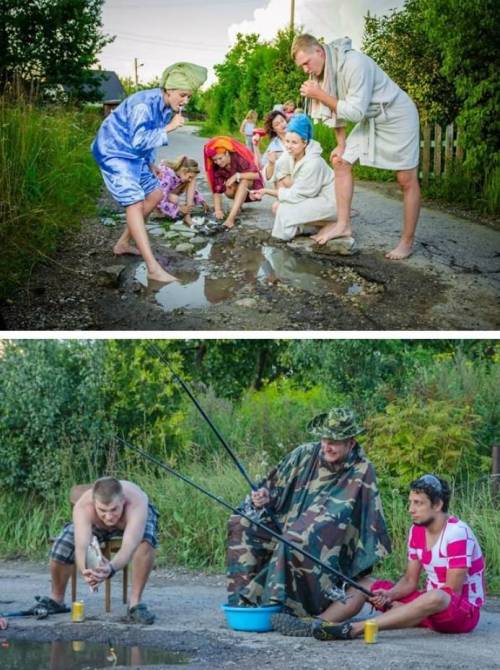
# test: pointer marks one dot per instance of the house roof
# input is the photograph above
(110, 86)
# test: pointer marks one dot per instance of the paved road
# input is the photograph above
(189, 619)
(459, 252)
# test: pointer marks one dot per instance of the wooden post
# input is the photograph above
(460, 152)
(438, 141)
(448, 148)
(426, 154)
(495, 469)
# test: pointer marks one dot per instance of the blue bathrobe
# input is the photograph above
(125, 145)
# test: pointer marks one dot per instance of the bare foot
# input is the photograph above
(125, 249)
(331, 231)
(188, 220)
(158, 274)
(403, 250)
(3, 624)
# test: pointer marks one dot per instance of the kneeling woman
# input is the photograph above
(231, 170)
(306, 193)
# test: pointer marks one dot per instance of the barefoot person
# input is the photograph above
(305, 189)
(349, 86)
(109, 508)
(177, 180)
(124, 149)
(324, 495)
(446, 549)
(231, 170)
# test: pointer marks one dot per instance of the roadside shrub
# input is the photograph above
(412, 437)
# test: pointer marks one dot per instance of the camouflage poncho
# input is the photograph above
(335, 514)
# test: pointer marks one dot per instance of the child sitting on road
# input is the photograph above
(178, 178)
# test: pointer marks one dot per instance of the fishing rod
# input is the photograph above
(159, 354)
(339, 593)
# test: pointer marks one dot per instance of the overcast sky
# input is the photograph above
(160, 32)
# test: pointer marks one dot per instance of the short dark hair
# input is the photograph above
(268, 121)
(434, 488)
(106, 489)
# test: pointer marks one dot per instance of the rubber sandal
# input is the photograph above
(140, 614)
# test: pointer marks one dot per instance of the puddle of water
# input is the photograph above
(264, 264)
(80, 655)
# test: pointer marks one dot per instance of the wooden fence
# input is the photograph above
(438, 151)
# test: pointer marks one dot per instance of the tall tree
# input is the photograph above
(400, 44)
(51, 42)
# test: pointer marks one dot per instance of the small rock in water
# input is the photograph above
(110, 275)
(185, 247)
(178, 225)
(108, 221)
(170, 235)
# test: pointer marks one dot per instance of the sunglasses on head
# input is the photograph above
(429, 480)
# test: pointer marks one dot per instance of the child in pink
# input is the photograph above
(176, 179)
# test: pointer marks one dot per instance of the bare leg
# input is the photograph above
(344, 185)
(190, 201)
(136, 227)
(408, 181)
(339, 612)
(409, 614)
(59, 574)
(239, 195)
(142, 564)
(123, 245)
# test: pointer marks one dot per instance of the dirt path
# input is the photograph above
(189, 620)
(243, 280)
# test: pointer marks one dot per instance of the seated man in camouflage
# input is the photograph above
(109, 508)
(324, 497)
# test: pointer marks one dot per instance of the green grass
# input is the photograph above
(48, 181)
(194, 528)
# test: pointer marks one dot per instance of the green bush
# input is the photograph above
(412, 437)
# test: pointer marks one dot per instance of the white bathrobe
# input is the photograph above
(387, 134)
(311, 196)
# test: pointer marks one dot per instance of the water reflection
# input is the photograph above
(215, 280)
(81, 655)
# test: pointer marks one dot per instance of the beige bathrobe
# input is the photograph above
(311, 196)
(387, 134)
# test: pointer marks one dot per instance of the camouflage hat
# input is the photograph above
(338, 424)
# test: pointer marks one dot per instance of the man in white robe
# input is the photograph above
(349, 86)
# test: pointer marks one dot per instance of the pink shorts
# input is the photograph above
(459, 617)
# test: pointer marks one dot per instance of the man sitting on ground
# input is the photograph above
(324, 497)
(447, 550)
(110, 508)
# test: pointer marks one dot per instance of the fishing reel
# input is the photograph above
(337, 593)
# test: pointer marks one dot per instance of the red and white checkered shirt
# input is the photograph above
(456, 547)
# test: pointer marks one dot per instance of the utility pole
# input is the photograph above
(292, 16)
(137, 65)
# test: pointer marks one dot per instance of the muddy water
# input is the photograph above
(80, 655)
(219, 276)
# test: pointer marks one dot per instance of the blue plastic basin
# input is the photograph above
(254, 619)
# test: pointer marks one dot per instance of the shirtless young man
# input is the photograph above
(110, 508)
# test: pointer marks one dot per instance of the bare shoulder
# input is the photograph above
(134, 495)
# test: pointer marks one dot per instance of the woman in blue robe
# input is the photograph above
(124, 149)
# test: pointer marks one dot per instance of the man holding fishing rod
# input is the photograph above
(324, 496)
(108, 508)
